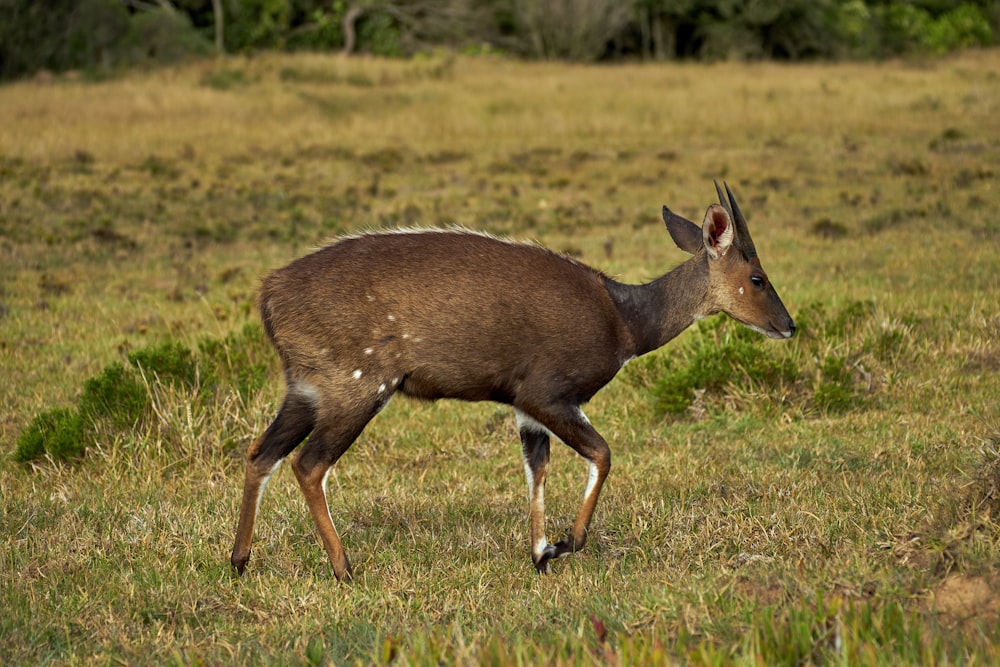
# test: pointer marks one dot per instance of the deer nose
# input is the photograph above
(791, 330)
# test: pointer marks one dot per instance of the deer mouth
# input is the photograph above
(782, 334)
(772, 331)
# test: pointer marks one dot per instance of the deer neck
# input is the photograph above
(658, 311)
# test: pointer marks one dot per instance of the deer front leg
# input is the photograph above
(572, 427)
(535, 450)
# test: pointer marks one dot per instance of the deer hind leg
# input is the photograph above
(570, 425)
(535, 450)
(294, 422)
(334, 434)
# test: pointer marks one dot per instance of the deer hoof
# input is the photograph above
(543, 564)
(239, 563)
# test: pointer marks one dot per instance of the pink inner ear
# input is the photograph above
(719, 222)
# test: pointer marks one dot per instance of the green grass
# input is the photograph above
(830, 499)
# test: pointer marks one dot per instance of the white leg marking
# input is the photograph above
(539, 547)
(530, 476)
(263, 482)
(591, 481)
(527, 422)
(325, 501)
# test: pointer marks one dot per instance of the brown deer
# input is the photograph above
(458, 314)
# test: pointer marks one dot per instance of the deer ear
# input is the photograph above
(685, 233)
(717, 231)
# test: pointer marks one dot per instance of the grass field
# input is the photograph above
(844, 509)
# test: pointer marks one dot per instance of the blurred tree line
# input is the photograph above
(105, 35)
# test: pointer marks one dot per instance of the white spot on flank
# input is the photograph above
(392, 318)
(381, 388)
(369, 297)
(356, 374)
(741, 290)
(368, 350)
(406, 336)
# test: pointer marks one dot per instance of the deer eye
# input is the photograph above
(757, 281)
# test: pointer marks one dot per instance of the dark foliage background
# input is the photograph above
(102, 36)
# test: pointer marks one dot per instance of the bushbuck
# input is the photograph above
(458, 314)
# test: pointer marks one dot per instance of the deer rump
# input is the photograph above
(444, 314)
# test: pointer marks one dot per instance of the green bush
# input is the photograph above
(907, 28)
(58, 432)
(724, 356)
(241, 360)
(163, 36)
(903, 27)
(167, 362)
(116, 397)
(256, 24)
(835, 392)
(721, 352)
(960, 28)
(379, 34)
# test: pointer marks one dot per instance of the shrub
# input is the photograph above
(835, 392)
(58, 432)
(163, 36)
(167, 362)
(242, 359)
(959, 28)
(726, 357)
(721, 353)
(117, 397)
